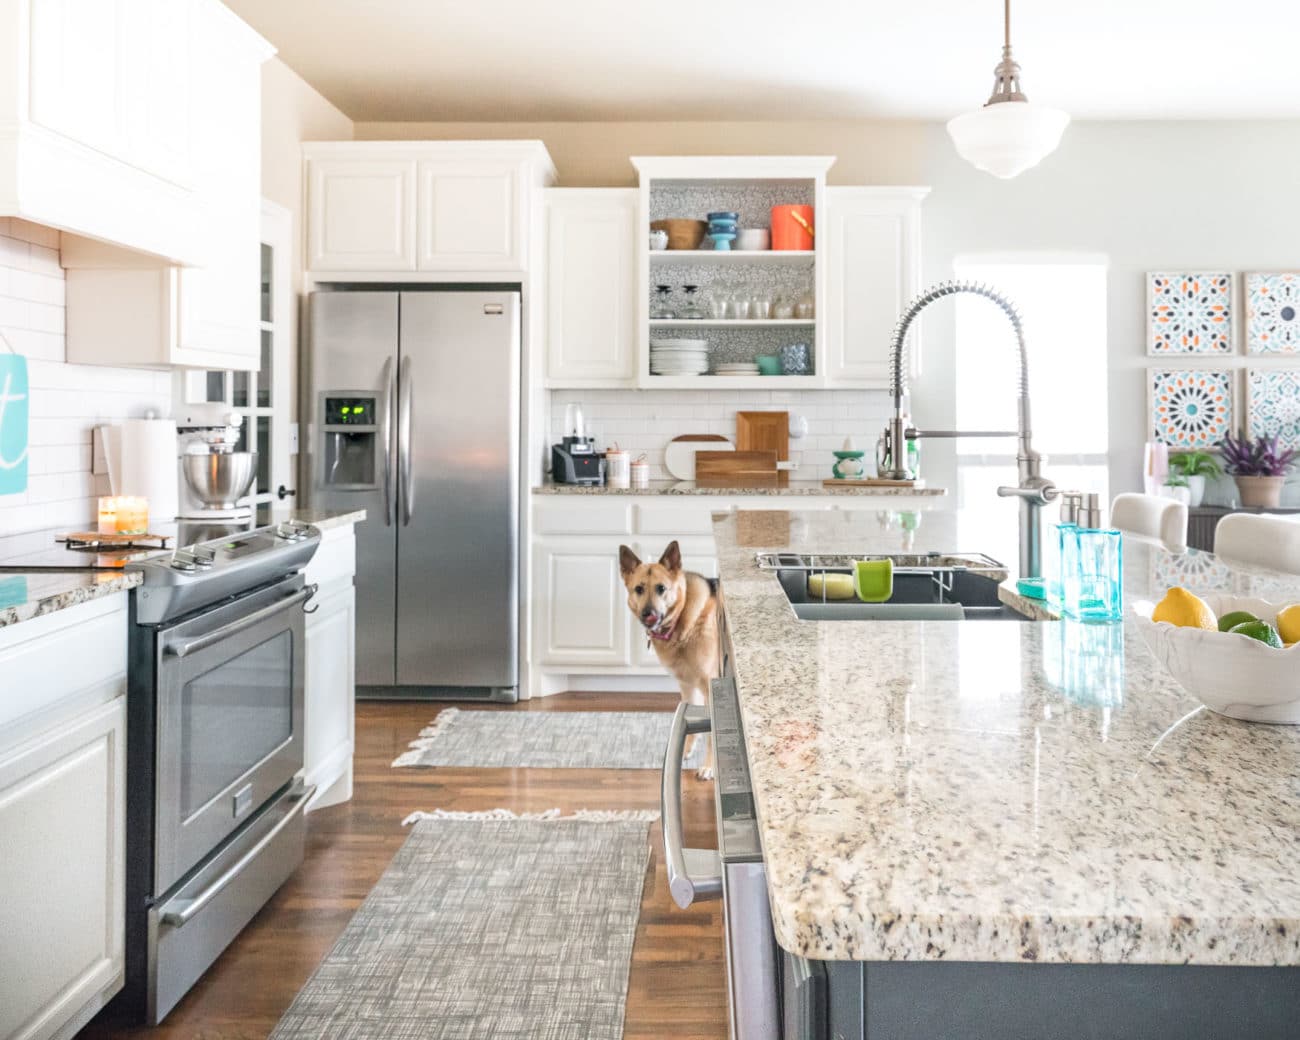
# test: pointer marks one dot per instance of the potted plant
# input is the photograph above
(1195, 467)
(1259, 466)
(1176, 487)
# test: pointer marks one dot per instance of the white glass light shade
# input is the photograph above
(1007, 138)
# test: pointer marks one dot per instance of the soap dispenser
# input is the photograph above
(1067, 546)
(1093, 583)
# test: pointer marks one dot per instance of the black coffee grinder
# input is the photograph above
(575, 459)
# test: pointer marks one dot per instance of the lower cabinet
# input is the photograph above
(584, 616)
(331, 670)
(63, 824)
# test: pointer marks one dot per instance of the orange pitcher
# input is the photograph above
(792, 227)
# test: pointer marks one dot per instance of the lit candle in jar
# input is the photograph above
(132, 515)
(107, 515)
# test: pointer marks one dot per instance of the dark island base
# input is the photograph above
(837, 1000)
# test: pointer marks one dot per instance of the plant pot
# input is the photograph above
(1262, 492)
(1195, 490)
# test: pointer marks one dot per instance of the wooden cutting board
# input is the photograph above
(710, 465)
(764, 431)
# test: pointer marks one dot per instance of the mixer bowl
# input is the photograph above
(220, 479)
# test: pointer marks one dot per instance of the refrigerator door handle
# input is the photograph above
(404, 441)
(387, 378)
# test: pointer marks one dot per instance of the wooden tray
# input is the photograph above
(95, 538)
(832, 482)
(710, 465)
(764, 431)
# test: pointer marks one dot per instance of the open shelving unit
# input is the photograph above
(694, 186)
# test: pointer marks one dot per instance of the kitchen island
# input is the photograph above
(1008, 822)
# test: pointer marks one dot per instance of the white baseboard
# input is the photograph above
(550, 684)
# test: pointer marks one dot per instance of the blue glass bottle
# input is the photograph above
(1066, 546)
(1094, 581)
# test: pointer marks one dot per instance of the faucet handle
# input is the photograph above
(1037, 494)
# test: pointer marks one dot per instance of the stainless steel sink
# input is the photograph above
(927, 587)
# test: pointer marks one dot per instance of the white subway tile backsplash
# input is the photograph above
(644, 421)
(67, 401)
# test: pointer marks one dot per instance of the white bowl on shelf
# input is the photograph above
(1227, 672)
(679, 344)
(752, 240)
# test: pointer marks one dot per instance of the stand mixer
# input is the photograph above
(214, 476)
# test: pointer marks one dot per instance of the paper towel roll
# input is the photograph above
(148, 466)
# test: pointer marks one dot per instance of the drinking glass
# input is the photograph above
(760, 306)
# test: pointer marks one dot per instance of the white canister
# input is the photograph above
(640, 473)
(618, 468)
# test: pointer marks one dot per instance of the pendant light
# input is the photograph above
(1008, 135)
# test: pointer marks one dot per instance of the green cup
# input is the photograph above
(768, 364)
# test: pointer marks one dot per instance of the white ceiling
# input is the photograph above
(604, 60)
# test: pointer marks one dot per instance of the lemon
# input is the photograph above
(1236, 617)
(1288, 623)
(1260, 630)
(1182, 608)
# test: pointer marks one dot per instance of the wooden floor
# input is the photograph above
(677, 986)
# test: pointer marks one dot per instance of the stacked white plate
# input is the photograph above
(679, 357)
(736, 368)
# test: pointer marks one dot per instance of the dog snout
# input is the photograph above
(649, 616)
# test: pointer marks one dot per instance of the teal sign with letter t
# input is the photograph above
(13, 424)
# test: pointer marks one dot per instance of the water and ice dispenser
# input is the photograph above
(352, 449)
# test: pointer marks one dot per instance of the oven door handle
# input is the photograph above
(694, 875)
(193, 646)
(191, 908)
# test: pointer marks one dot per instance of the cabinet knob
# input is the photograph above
(283, 492)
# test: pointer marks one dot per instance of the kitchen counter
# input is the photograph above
(775, 488)
(1004, 792)
(29, 595)
(325, 519)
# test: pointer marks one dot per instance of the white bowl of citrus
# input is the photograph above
(1235, 654)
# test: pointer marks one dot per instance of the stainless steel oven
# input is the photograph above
(229, 695)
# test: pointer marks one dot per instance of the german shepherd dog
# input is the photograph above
(679, 611)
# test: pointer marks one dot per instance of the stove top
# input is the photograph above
(50, 551)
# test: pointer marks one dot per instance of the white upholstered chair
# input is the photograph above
(1269, 541)
(1152, 516)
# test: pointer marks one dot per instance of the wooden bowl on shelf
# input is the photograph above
(682, 233)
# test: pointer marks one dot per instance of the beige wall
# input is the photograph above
(293, 112)
(1149, 196)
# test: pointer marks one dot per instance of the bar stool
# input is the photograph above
(1267, 541)
(1151, 516)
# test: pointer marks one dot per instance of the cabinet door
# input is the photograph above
(699, 555)
(330, 687)
(581, 606)
(361, 214)
(469, 215)
(591, 285)
(873, 250)
(63, 828)
(156, 87)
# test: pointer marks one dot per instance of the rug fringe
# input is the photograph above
(426, 738)
(586, 815)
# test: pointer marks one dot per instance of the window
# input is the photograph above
(1062, 301)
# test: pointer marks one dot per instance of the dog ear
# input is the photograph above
(628, 561)
(672, 558)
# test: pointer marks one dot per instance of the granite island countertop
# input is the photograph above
(772, 488)
(1002, 791)
(25, 594)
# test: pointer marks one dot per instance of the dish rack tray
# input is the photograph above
(904, 563)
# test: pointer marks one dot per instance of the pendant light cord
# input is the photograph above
(1006, 23)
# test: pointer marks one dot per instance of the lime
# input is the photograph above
(1232, 620)
(1260, 630)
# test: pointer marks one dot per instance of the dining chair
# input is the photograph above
(1152, 516)
(1258, 538)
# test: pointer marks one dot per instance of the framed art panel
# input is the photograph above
(1273, 312)
(1273, 404)
(1191, 407)
(1190, 314)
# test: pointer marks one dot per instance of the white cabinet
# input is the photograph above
(873, 252)
(62, 818)
(591, 299)
(330, 669)
(440, 209)
(124, 308)
(582, 615)
(362, 215)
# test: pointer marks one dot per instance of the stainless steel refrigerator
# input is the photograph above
(411, 401)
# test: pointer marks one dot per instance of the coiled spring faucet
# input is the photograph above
(1034, 490)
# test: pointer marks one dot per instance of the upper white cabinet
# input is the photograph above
(591, 278)
(362, 213)
(873, 253)
(104, 139)
(440, 208)
(125, 308)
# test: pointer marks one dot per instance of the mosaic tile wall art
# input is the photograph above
(1189, 313)
(1191, 408)
(1273, 312)
(1273, 404)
